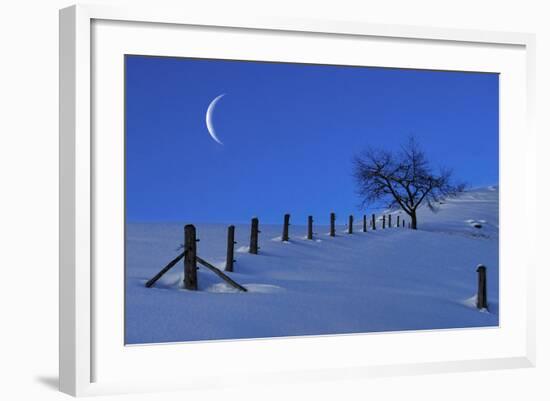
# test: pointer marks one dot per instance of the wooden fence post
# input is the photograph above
(190, 258)
(350, 225)
(383, 221)
(373, 222)
(389, 220)
(403, 223)
(254, 231)
(285, 227)
(364, 223)
(332, 224)
(409, 224)
(481, 287)
(398, 225)
(230, 259)
(309, 227)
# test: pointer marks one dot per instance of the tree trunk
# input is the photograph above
(413, 220)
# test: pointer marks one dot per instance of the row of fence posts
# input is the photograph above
(255, 231)
(190, 246)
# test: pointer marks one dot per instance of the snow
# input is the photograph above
(262, 288)
(385, 280)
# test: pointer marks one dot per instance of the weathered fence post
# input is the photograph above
(398, 225)
(332, 224)
(350, 225)
(309, 227)
(373, 222)
(364, 223)
(383, 221)
(389, 220)
(254, 231)
(230, 259)
(481, 287)
(190, 258)
(403, 223)
(409, 224)
(285, 227)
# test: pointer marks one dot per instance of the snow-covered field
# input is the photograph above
(383, 280)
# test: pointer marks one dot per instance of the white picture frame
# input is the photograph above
(79, 314)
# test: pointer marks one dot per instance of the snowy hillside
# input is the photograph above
(384, 280)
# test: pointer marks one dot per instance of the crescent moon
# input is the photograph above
(209, 123)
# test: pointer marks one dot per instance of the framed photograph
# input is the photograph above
(306, 198)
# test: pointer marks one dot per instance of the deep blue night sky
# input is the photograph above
(289, 133)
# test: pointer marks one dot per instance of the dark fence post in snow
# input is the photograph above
(254, 231)
(332, 223)
(190, 258)
(285, 227)
(364, 223)
(403, 223)
(350, 225)
(481, 287)
(309, 227)
(373, 222)
(398, 225)
(383, 221)
(389, 220)
(230, 259)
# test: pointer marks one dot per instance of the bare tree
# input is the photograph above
(404, 179)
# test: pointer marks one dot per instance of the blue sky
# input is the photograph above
(289, 133)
